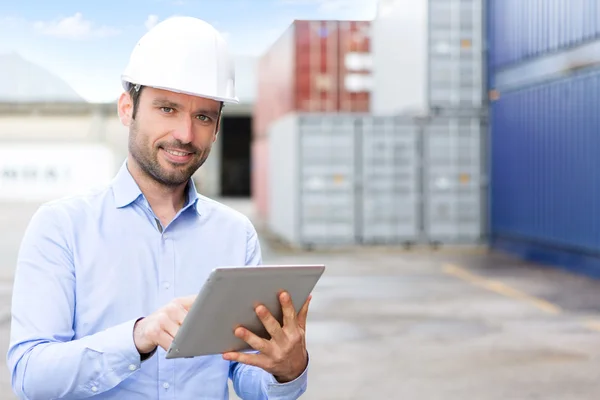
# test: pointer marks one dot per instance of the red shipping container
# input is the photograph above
(260, 177)
(315, 66)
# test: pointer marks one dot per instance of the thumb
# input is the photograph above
(303, 313)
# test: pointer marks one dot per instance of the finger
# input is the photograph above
(257, 360)
(303, 313)
(186, 301)
(171, 327)
(256, 342)
(289, 313)
(165, 340)
(177, 312)
(271, 324)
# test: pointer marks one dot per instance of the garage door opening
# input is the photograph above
(235, 156)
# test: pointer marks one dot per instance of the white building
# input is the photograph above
(52, 142)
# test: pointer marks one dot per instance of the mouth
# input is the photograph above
(177, 156)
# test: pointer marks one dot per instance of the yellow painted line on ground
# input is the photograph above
(502, 289)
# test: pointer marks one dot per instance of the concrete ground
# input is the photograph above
(451, 324)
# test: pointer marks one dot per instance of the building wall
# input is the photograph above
(47, 124)
(399, 41)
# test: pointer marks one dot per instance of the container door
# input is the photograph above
(452, 180)
(327, 195)
(390, 181)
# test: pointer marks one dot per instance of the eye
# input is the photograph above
(168, 110)
(203, 118)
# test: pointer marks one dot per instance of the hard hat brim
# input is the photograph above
(230, 100)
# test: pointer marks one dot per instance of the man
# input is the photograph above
(104, 280)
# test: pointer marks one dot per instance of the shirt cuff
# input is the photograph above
(291, 389)
(120, 353)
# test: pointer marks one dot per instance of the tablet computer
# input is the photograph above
(228, 299)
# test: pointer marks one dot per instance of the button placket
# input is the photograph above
(165, 295)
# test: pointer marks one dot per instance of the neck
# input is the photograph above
(165, 201)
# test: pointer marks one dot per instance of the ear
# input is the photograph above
(125, 108)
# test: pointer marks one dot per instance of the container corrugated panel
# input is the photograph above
(275, 92)
(283, 186)
(355, 68)
(545, 186)
(521, 30)
(453, 186)
(327, 179)
(315, 66)
(259, 177)
(455, 54)
(390, 180)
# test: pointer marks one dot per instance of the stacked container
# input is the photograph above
(315, 66)
(313, 192)
(455, 54)
(453, 182)
(390, 182)
(350, 179)
(545, 85)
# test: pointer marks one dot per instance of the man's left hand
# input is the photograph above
(284, 355)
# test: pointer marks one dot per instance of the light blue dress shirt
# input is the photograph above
(89, 266)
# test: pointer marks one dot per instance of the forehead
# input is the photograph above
(180, 100)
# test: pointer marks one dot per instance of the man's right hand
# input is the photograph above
(160, 327)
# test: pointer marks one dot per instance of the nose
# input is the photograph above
(184, 129)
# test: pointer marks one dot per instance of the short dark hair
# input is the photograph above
(135, 91)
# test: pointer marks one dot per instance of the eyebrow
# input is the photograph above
(171, 104)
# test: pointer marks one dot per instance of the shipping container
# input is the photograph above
(454, 183)
(364, 179)
(455, 54)
(259, 176)
(390, 184)
(315, 66)
(522, 30)
(545, 184)
(399, 48)
(312, 190)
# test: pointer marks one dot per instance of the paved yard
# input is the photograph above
(391, 324)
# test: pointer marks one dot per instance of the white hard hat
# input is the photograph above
(185, 55)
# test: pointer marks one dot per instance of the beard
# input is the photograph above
(147, 158)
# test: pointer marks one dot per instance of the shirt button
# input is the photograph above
(94, 389)
(166, 385)
(132, 367)
(166, 285)
(165, 236)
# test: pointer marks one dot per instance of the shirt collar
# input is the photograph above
(126, 189)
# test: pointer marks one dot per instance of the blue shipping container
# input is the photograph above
(545, 172)
(519, 30)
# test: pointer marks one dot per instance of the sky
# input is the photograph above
(87, 44)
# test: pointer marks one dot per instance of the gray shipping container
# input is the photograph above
(454, 185)
(455, 62)
(390, 180)
(340, 179)
(312, 179)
